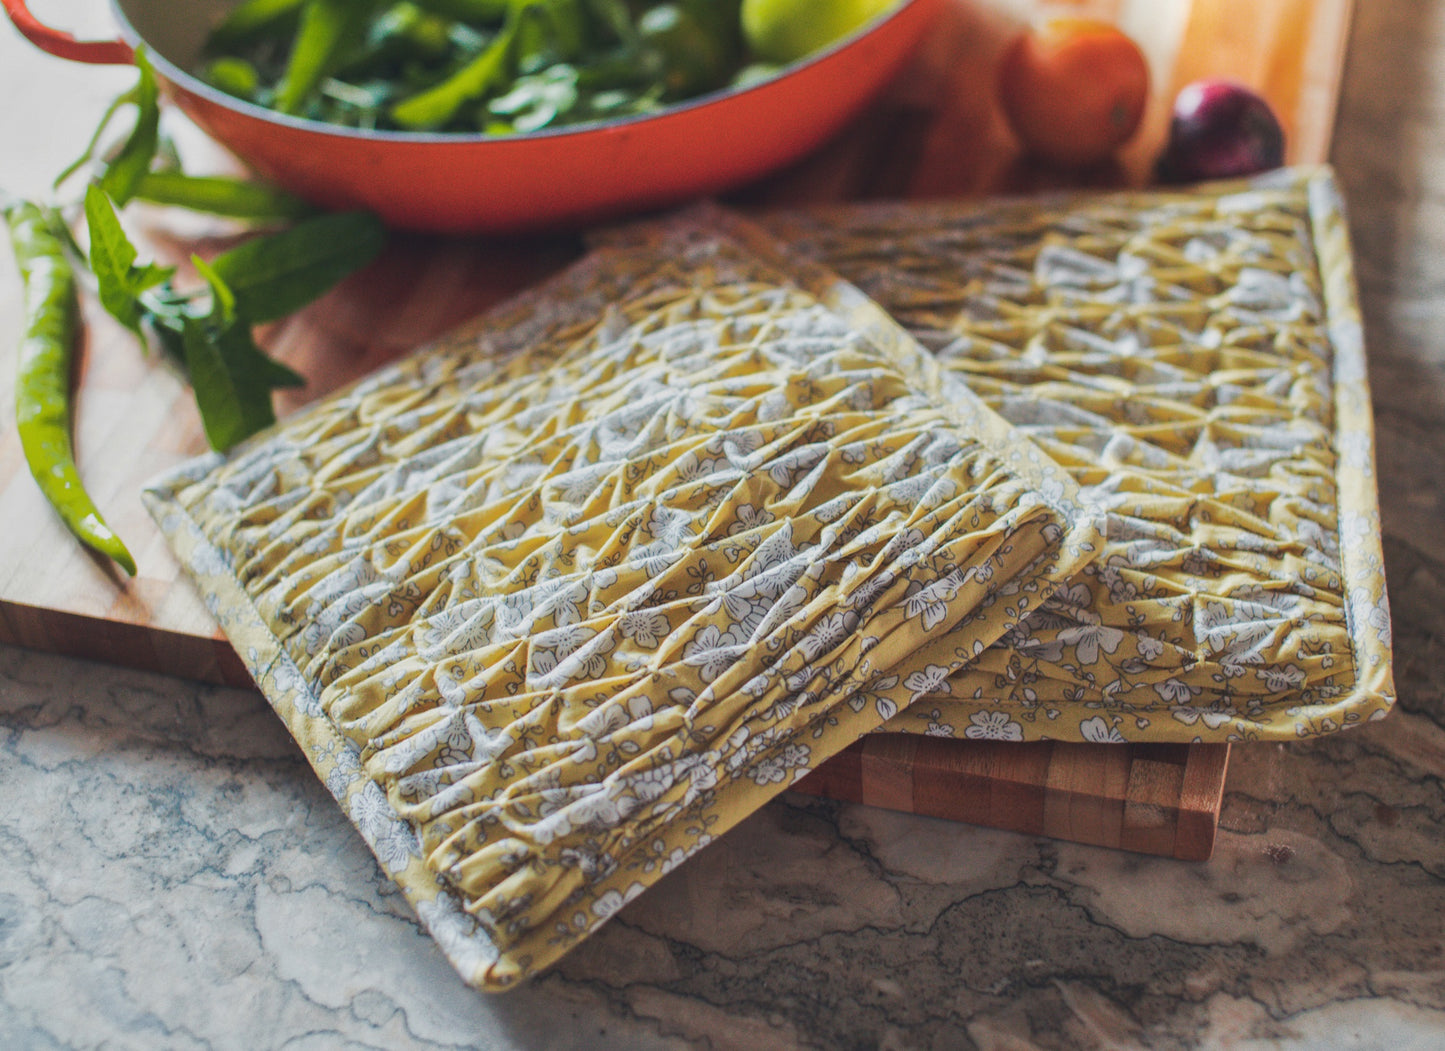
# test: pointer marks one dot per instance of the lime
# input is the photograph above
(787, 30)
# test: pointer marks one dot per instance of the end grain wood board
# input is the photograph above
(1155, 799)
(937, 132)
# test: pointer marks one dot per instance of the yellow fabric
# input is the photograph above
(1194, 359)
(555, 602)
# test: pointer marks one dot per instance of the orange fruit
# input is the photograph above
(1073, 90)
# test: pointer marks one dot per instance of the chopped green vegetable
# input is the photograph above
(502, 66)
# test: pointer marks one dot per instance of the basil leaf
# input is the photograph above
(277, 274)
(90, 148)
(223, 300)
(124, 174)
(232, 392)
(112, 260)
(219, 195)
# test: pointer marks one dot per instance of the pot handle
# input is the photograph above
(62, 44)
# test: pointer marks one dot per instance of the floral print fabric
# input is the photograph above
(1194, 359)
(555, 602)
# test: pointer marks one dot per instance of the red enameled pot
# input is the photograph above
(543, 180)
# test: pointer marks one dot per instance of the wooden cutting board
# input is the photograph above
(937, 132)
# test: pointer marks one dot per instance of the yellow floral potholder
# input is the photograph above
(1194, 359)
(555, 602)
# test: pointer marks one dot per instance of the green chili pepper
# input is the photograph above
(252, 19)
(480, 11)
(42, 388)
(435, 106)
(327, 27)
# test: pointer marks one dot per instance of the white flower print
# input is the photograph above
(929, 603)
(829, 633)
(1072, 599)
(693, 468)
(1175, 691)
(513, 617)
(563, 654)
(370, 811)
(1214, 716)
(396, 847)
(610, 903)
(651, 784)
(594, 864)
(788, 469)
(1278, 679)
(993, 726)
(1098, 731)
(562, 599)
(656, 558)
(867, 590)
(462, 628)
(747, 517)
(391, 839)
(601, 808)
(712, 652)
(604, 720)
(338, 781)
(487, 744)
(670, 526)
(457, 932)
(737, 447)
(769, 772)
(1089, 639)
(1241, 629)
(746, 608)
(577, 487)
(1149, 647)
(924, 489)
(646, 627)
(933, 679)
(1121, 591)
(774, 553)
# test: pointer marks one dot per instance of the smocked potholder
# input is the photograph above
(1194, 359)
(558, 600)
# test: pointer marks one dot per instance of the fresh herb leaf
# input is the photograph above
(232, 393)
(112, 260)
(130, 165)
(277, 274)
(231, 376)
(223, 300)
(94, 143)
(219, 195)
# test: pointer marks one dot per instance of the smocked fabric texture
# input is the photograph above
(1194, 359)
(555, 602)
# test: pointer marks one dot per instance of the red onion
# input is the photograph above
(1219, 130)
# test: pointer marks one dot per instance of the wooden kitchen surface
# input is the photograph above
(937, 132)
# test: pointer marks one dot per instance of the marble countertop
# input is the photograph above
(173, 876)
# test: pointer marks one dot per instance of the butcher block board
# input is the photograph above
(936, 132)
